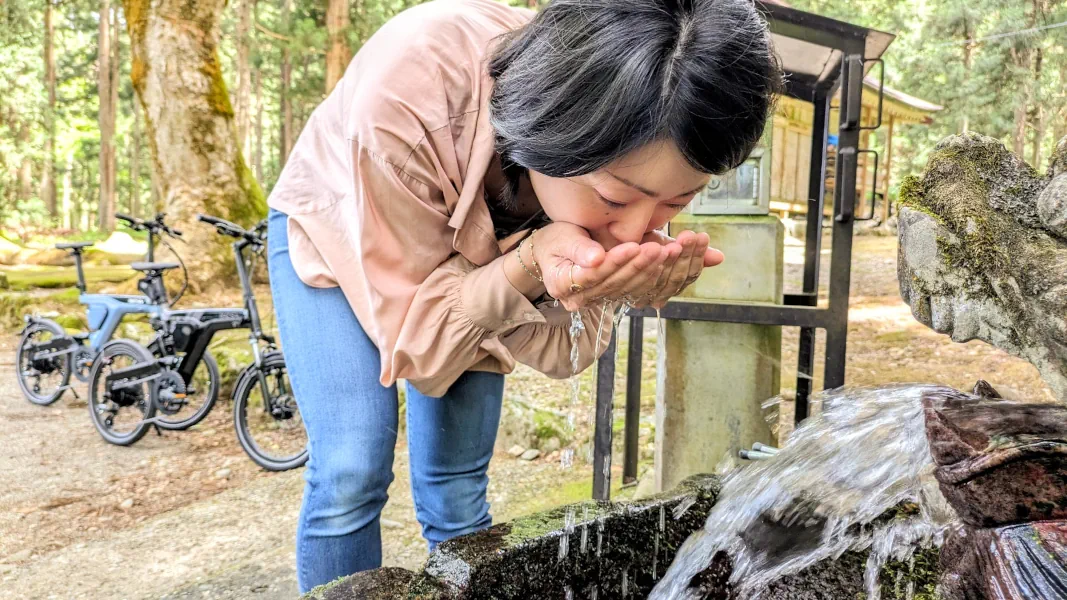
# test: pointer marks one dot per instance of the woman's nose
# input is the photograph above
(632, 224)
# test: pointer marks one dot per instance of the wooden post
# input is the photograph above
(885, 169)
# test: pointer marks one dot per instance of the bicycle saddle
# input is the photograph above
(73, 245)
(153, 266)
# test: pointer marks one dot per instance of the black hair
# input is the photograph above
(588, 81)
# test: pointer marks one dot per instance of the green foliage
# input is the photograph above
(980, 84)
(930, 59)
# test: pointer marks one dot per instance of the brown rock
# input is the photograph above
(998, 462)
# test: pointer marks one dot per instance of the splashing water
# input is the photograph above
(863, 455)
(565, 539)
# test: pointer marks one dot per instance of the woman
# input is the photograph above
(475, 163)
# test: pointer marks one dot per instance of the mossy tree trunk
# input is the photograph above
(189, 123)
(337, 54)
(106, 120)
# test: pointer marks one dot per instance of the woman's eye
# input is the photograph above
(610, 203)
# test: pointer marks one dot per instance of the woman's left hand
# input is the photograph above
(693, 259)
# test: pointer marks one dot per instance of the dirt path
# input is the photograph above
(204, 523)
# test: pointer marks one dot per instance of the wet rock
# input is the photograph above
(1018, 562)
(998, 462)
(530, 454)
(516, 451)
(983, 251)
(379, 584)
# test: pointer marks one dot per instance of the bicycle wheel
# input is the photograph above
(200, 396)
(269, 428)
(42, 380)
(119, 415)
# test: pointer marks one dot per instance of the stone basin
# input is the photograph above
(627, 548)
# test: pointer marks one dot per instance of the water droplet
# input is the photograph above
(655, 557)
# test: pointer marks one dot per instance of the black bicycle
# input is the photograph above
(128, 382)
(47, 355)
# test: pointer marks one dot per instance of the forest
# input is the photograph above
(76, 146)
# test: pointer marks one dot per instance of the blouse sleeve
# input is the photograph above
(433, 311)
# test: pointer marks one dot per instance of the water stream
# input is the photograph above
(822, 495)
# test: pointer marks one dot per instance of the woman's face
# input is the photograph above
(628, 198)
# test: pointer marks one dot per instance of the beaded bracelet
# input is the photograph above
(533, 260)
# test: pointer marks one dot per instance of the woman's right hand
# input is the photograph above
(577, 271)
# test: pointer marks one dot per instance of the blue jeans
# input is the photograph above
(351, 421)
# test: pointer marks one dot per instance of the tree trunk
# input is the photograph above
(68, 207)
(107, 124)
(135, 161)
(48, 175)
(337, 53)
(116, 60)
(190, 127)
(258, 161)
(1040, 129)
(242, 110)
(286, 110)
(26, 167)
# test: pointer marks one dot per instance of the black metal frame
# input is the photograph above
(799, 310)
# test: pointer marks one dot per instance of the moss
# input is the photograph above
(547, 426)
(921, 573)
(218, 98)
(72, 322)
(137, 25)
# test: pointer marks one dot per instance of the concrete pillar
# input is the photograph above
(713, 377)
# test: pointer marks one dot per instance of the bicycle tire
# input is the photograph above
(103, 360)
(247, 383)
(36, 398)
(213, 395)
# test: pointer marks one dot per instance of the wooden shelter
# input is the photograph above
(791, 146)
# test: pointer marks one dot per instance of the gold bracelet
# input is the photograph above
(518, 254)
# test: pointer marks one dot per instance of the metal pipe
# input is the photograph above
(605, 399)
(758, 447)
(753, 455)
(633, 401)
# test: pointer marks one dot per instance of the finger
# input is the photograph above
(616, 259)
(713, 257)
(674, 261)
(582, 251)
(658, 237)
(644, 267)
(675, 281)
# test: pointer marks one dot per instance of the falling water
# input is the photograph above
(863, 455)
(565, 539)
(566, 459)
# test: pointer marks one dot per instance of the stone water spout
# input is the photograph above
(983, 251)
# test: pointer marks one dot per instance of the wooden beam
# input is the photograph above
(888, 166)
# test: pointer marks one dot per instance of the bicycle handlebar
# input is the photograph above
(225, 227)
(156, 225)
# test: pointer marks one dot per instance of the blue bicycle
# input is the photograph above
(47, 355)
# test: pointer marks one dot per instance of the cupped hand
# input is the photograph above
(689, 256)
(578, 272)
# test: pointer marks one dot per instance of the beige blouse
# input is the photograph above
(385, 196)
